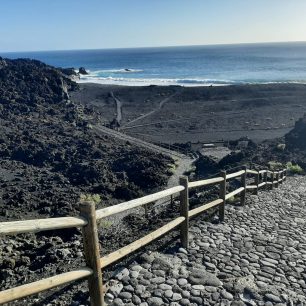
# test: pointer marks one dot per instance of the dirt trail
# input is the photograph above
(160, 106)
(118, 106)
(183, 165)
(138, 142)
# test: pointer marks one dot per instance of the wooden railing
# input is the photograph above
(88, 222)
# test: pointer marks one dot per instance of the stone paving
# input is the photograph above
(256, 257)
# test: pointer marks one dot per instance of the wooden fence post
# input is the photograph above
(272, 180)
(277, 178)
(146, 209)
(222, 196)
(184, 211)
(256, 182)
(243, 184)
(285, 173)
(281, 175)
(92, 253)
(266, 178)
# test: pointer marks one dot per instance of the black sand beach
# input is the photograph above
(181, 114)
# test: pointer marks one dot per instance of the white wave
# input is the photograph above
(153, 81)
(125, 70)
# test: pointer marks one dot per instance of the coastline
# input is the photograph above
(135, 82)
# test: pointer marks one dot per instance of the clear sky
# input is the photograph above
(27, 25)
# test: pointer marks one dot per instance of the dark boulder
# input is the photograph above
(68, 71)
(296, 138)
(83, 71)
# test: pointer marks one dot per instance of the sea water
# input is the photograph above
(186, 66)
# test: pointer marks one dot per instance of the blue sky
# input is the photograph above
(29, 25)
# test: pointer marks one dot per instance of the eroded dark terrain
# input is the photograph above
(49, 157)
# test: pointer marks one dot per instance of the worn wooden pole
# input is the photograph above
(285, 173)
(222, 196)
(146, 209)
(92, 253)
(272, 180)
(281, 175)
(266, 178)
(243, 184)
(184, 211)
(256, 182)
(277, 178)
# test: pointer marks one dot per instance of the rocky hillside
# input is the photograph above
(49, 154)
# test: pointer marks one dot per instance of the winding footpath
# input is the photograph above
(136, 141)
(118, 107)
(256, 257)
(160, 106)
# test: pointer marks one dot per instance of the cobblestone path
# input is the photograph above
(256, 257)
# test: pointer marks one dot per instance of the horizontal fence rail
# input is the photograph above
(44, 284)
(212, 181)
(38, 225)
(116, 209)
(114, 256)
(88, 222)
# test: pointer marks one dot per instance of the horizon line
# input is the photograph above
(151, 47)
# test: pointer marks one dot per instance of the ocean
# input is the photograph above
(186, 66)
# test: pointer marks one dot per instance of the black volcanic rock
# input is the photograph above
(82, 70)
(2, 63)
(43, 131)
(68, 71)
(28, 82)
(296, 138)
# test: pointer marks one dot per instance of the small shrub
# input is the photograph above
(294, 169)
(95, 198)
(281, 147)
(275, 165)
(232, 200)
(171, 169)
(106, 224)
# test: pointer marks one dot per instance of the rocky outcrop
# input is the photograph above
(26, 83)
(70, 73)
(82, 70)
(297, 137)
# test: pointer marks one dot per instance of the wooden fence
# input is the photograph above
(88, 222)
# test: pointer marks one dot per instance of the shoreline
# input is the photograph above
(177, 82)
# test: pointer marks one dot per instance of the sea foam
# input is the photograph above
(93, 78)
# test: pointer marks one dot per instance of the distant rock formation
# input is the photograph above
(70, 73)
(83, 71)
(29, 83)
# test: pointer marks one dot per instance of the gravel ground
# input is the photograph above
(256, 257)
